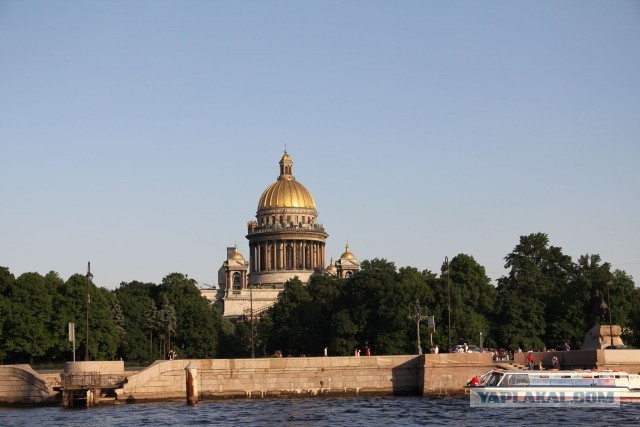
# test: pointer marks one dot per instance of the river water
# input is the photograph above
(362, 411)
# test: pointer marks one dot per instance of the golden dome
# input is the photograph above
(286, 192)
(347, 254)
(332, 266)
(236, 255)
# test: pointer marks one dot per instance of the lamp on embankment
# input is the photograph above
(609, 283)
(89, 277)
(445, 270)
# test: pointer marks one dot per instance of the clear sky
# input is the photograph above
(139, 135)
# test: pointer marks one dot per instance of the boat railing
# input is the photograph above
(553, 379)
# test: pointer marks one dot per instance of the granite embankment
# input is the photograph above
(21, 384)
(442, 374)
(427, 375)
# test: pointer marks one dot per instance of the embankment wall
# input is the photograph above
(21, 384)
(300, 376)
(431, 374)
(446, 374)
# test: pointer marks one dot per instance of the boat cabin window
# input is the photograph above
(604, 381)
(585, 381)
(564, 380)
(517, 380)
(494, 379)
(540, 380)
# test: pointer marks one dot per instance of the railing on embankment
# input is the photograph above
(90, 380)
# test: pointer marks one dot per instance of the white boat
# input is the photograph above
(590, 387)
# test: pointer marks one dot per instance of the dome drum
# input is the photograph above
(287, 217)
(302, 231)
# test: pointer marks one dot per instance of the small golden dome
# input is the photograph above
(286, 157)
(236, 255)
(347, 254)
(286, 192)
(332, 266)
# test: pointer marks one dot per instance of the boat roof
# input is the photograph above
(555, 371)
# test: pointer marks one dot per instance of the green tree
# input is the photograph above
(150, 322)
(198, 322)
(135, 299)
(473, 300)
(624, 298)
(326, 292)
(538, 274)
(71, 304)
(27, 328)
(288, 320)
(235, 339)
(381, 308)
(118, 322)
(167, 323)
(416, 289)
(6, 281)
(60, 342)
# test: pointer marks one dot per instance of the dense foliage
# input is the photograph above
(545, 299)
(138, 322)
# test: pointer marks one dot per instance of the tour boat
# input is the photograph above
(595, 387)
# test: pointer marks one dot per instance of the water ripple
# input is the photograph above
(354, 412)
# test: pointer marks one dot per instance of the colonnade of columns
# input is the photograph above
(286, 255)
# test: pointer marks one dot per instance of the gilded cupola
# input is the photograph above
(286, 192)
(347, 254)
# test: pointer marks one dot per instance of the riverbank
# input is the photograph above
(442, 374)
(424, 375)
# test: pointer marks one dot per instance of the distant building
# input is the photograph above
(285, 240)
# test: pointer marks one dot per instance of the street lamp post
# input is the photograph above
(253, 352)
(445, 270)
(418, 316)
(609, 283)
(89, 277)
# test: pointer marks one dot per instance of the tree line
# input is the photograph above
(545, 300)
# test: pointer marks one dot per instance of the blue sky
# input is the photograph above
(140, 135)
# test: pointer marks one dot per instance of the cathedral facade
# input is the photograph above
(285, 241)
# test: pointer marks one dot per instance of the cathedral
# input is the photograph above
(285, 241)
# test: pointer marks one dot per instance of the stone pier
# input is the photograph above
(424, 375)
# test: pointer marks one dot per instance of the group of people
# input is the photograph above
(555, 363)
(367, 352)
